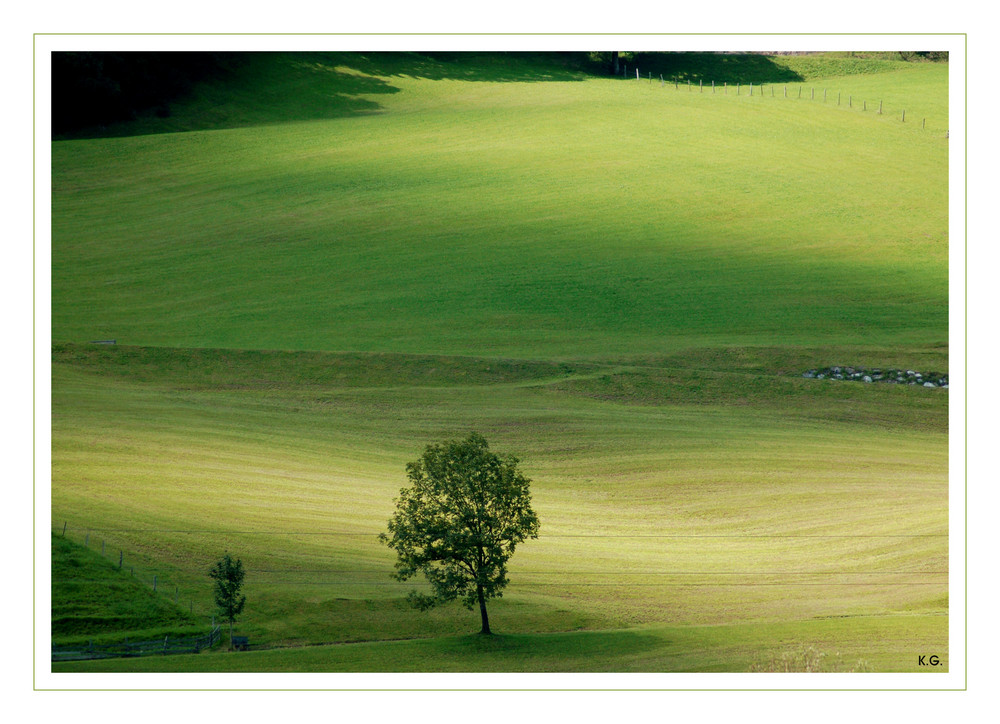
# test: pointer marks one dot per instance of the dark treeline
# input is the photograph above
(98, 88)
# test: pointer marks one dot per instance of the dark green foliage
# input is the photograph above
(228, 576)
(460, 521)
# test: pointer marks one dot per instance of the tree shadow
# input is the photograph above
(708, 67)
(494, 67)
(99, 94)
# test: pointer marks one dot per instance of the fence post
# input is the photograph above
(102, 546)
(923, 124)
(86, 540)
(637, 73)
(713, 86)
(850, 101)
(725, 87)
(737, 88)
(700, 89)
(904, 115)
(121, 556)
(800, 91)
(824, 95)
(64, 529)
(838, 98)
(865, 106)
(812, 94)
(786, 91)
(880, 108)
(154, 584)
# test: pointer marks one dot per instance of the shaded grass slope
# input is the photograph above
(93, 600)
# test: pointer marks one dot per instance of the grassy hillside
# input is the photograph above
(94, 601)
(321, 263)
(536, 220)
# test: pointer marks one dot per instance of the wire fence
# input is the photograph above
(798, 91)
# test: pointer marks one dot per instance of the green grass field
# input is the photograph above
(321, 263)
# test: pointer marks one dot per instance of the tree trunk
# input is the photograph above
(482, 612)
(230, 635)
(614, 63)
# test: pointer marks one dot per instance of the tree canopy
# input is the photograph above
(460, 521)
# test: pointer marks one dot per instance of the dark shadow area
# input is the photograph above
(708, 67)
(94, 89)
(97, 94)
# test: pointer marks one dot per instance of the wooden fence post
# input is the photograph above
(121, 556)
(86, 540)
(64, 529)
(154, 584)
(904, 115)
(880, 108)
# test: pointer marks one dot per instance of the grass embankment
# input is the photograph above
(618, 282)
(92, 600)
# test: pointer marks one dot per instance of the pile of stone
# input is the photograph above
(869, 376)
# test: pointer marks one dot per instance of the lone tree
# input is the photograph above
(459, 522)
(228, 576)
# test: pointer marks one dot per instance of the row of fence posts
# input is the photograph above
(131, 570)
(760, 86)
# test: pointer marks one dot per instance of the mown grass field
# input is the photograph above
(618, 281)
